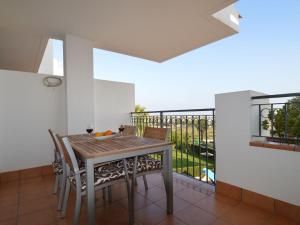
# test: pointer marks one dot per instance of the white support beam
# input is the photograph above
(78, 62)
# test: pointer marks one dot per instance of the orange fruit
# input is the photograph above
(99, 134)
(108, 132)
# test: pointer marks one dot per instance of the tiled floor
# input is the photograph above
(31, 202)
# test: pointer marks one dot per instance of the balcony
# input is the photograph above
(208, 189)
(225, 170)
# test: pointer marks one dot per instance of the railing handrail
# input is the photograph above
(178, 110)
(276, 96)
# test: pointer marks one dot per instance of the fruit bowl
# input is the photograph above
(104, 137)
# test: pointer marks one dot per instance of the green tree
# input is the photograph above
(279, 119)
(139, 117)
(139, 109)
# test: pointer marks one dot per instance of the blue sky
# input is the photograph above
(264, 56)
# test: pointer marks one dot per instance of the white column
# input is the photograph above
(78, 62)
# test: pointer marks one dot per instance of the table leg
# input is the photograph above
(168, 177)
(90, 195)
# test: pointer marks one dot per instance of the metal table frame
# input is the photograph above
(167, 172)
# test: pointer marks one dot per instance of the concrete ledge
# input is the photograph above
(275, 146)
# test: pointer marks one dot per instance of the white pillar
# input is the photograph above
(78, 63)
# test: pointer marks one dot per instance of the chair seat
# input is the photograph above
(144, 164)
(57, 167)
(102, 174)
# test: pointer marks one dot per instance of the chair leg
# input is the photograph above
(61, 192)
(145, 182)
(130, 208)
(66, 198)
(109, 190)
(77, 207)
(55, 186)
(104, 193)
(131, 219)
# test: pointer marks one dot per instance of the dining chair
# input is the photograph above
(147, 164)
(56, 164)
(129, 130)
(105, 176)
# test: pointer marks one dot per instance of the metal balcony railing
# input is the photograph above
(192, 133)
(279, 121)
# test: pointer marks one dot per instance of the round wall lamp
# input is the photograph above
(51, 81)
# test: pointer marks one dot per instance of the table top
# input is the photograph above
(89, 147)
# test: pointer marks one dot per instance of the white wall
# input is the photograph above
(269, 172)
(27, 110)
(113, 102)
(78, 62)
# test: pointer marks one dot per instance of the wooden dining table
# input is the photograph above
(94, 151)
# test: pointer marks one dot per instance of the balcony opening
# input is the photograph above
(52, 62)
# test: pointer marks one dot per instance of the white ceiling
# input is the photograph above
(151, 29)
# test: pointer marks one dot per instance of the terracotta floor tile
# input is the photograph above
(9, 188)
(206, 189)
(279, 220)
(9, 222)
(171, 220)
(139, 202)
(112, 214)
(30, 194)
(140, 187)
(37, 204)
(31, 173)
(177, 186)
(155, 179)
(9, 199)
(217, 206)
(10, 176)
(151, 215)
(32, 180)
(221, 222)
(154, 194)
(246, 215)
(119, 192)
(193, 215)
(44, 217)
(190, 195)
(8, 212)
(178, 203)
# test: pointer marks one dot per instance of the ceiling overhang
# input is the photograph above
(156, 30)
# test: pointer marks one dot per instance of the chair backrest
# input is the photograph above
(129, 130)
(70, 155)
(156, 133)
(58, 142)
(56, 151)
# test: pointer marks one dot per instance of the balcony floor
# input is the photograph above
(31, 202)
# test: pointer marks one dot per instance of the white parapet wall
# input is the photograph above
(269, 172)
(113, 103)
(28, 109)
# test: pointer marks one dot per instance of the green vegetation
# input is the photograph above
(279, 120)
